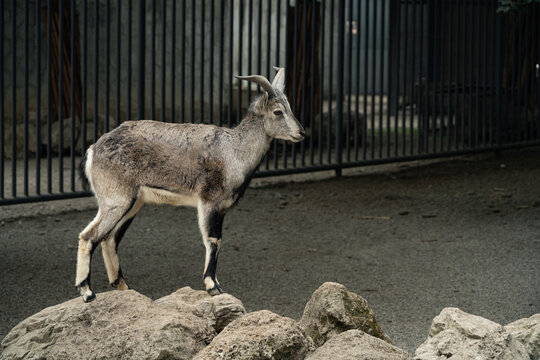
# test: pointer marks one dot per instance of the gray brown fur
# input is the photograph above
(182, 164)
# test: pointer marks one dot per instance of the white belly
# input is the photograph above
(160, 196)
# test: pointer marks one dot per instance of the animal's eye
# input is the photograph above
(278, 112)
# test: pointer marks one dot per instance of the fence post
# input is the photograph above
(498, 71)
(141, 15)
(340, 78)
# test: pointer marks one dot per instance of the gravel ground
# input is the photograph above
(410, 238)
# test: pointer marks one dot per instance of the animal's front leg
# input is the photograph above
(210, 224)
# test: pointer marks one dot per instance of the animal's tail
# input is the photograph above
(82, 173)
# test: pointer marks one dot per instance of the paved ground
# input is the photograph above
(463, 232)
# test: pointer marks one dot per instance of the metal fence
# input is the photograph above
(372, 81)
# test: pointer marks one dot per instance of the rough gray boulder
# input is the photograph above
(333, 309)
(356, 344)
(120, 325)
(527, 331)
(259, 335)
(219, 310)
(454, 334)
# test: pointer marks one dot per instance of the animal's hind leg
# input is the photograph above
(106, 220)
(109, 249)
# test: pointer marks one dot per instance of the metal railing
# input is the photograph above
(373, 81)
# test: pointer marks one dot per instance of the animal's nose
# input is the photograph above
(302, 132)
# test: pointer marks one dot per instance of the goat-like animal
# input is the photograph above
(204, 166)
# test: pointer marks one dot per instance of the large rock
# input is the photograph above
(219, 310)
(356, 344)
(259, 335)
(333, 309)
(454, 334)
(120, 325)
(527, 331)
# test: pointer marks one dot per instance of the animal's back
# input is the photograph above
(162, 155)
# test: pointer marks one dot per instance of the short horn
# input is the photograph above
(279, 80)
(260, 80)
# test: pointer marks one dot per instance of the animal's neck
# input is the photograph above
(254, 141)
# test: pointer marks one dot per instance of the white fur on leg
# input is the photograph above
(83, 261)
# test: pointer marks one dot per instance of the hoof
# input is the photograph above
(216, 290)
(120, 284)
(89, 296)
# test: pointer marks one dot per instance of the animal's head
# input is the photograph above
(273, 106)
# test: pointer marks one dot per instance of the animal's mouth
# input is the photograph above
(298, 138)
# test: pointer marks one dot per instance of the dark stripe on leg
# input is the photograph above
(216, 224)
(212, 263)
(122, 231)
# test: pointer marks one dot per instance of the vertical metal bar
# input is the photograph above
(486, 93)
(173, 62)
(295, 74)
(2, 96)
(330, 82)
(518, 59)
(72, 95)
(321, 87)
(107, 63)
(201, 90)
(373, 78)
(287, 56)
(405, 82)
(413, 81)
(84, 73)
(192, 89)
(349, 82)
(140, 55)
(268, 52)
(38, 101)
(231, 55)
(153, 63)
(463, 86)
(96, 68)
(26, 85)
(339, 115)
(366, 51)
(312, 75)
(529, 73)
(183, 63)
(118, 52)
(129, 41)
(60, 97)
(14, 101)
(470, 82)
(456, 74)
(221, 59)
(477, 75)
(163, 54)
(449, 79)
(303, 73)
(211, 70)
(434, 43)
(240, 20)
(278, 48)
(441, 72)
(250, 46)
(397, 75)
(498, 91)
(536, 62)
(381, 76)
(49, 96)
(357, 117)
(390, 87)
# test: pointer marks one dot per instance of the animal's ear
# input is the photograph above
(279, 80)
(262, 103)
